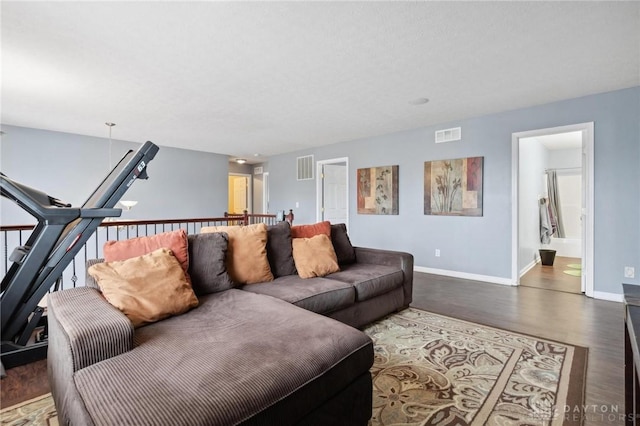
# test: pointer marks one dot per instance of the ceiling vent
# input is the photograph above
(305, 167)
(449, 135)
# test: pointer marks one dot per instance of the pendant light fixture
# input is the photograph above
(108, 123)
(126, 203)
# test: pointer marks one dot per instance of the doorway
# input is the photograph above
(332, 190)
(553, 208)
(239, 193)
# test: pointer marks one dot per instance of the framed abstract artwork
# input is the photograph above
(378, 190)
(453, 187)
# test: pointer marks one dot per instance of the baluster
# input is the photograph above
(74, 277)
(6, 247)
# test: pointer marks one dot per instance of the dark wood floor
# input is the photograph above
(566, 317)
(553, 277)
(23, 383)
(572, 318)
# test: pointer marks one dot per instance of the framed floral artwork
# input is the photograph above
(453, 187)
(378, 190)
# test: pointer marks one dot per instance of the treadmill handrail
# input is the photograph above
(31, 201)
(60, 233)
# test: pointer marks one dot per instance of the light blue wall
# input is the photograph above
(181, 184)
(482, 245)
(193, 184)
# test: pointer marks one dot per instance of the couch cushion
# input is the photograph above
(318, 295)
(207, 267)
(247, 252)
(235, 358)
(369, 280)
(314, 257)
(280, 250)
(345, 252)
(308, 231)
(146, 288)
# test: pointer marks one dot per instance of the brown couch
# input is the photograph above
(246, 355)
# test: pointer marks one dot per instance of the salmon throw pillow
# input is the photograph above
(176, 241)
(308, 231)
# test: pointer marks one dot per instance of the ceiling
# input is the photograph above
(247, 78)
(568, 140)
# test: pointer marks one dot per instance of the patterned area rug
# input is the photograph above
(37, 411)
(434, 370)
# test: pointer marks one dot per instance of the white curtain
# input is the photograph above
(554, 204)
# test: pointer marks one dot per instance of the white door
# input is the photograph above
(334, 193)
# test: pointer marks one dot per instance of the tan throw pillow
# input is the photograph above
(315, 256)
(246, 253)
(146, 288)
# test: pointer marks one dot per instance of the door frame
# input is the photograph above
(588, 191)
(265, 192)
(319, 177)
(248, 176)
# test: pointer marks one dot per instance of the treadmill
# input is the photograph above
(61, 231)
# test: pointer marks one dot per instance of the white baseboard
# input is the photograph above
(464, 275)
(612, 297)
(600, 295)
(529, 267)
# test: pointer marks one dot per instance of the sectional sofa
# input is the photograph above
(269, 353)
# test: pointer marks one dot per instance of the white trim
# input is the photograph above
(528, 267)
(464, 275)
(588, 146)
(319, 165)
(588, 142)
(265, 192)
(612, 297)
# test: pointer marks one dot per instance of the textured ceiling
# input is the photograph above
(241, 78)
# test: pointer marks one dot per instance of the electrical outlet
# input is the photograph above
(297, 204)
(437, 252)
(629, 272)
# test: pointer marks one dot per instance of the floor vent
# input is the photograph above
(305, 167)
(449, 135)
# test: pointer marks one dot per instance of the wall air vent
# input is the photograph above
(305, 167)
(449, 135)
(258, 170)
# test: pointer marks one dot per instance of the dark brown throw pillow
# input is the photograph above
(279, 250)
(89, 281)
(207, 267)
(342, 244)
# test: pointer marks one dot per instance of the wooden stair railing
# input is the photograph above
(13, 236)
(252, 218)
